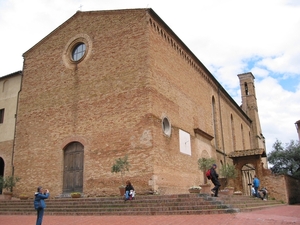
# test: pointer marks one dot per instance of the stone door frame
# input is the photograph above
(73, 167)
(242, 158)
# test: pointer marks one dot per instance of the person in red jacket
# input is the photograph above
(215, 180)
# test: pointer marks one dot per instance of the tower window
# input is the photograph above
(246, 89)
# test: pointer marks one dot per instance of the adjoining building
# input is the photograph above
(9, 89)
(105, 84)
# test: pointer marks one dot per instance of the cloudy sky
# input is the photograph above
(228, 36)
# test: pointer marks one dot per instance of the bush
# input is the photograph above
(8, 183)
(228, 171)
(120, 166)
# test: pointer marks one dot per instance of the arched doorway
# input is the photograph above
(248, 162)
(1, 170)
(248, 172)
(73, 168)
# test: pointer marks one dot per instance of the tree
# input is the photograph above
(120, 166)
(204, 164)
(229, 172)
(285, 160)
(8, 183)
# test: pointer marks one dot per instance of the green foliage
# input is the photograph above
(285, 160)
(9, 182)
(121, 165)
(228, 171)
(205, 163)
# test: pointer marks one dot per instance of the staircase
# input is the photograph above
(182, 204)
(243, 203)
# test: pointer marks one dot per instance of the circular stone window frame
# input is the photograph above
(71, 45)
(166, 126)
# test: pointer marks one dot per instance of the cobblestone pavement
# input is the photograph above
(288, 214)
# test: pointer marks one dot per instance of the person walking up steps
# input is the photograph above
(256, 184)
(215, 180)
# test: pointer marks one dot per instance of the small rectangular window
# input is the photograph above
(1, 115)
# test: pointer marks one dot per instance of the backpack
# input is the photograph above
(208, 174)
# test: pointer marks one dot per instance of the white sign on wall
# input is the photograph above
(185, 142)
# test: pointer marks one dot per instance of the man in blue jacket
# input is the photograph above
(39, 203)
(256, 184)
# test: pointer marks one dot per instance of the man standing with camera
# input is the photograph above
(39, 203)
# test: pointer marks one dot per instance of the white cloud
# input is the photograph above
(259, 72)
(279, 110)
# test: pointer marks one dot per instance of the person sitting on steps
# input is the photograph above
(129, 191)
(253, 194)
(263, 193)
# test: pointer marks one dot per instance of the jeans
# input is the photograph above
(217, 186)
(40, 214)
(256, 192)
(127, 195)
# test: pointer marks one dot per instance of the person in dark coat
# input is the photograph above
(215, 180)
(128, 190)
(39, 203)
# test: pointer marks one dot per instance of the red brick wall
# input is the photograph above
(104, 101)
(113, 102)
(276, 186)
(282, 187)
(293, 189)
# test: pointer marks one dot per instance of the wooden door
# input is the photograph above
(248, 172)
(73, 168)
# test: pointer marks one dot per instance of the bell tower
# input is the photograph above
(249, 106)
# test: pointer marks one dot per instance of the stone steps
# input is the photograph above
(184, 204)
(244, 203)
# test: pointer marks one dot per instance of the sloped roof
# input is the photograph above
(12, 74)
(250, 152)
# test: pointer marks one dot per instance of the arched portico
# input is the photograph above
(248, 163)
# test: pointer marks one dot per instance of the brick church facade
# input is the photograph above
(106, 84)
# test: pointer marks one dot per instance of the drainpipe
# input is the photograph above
(221, 124)
(16, 117)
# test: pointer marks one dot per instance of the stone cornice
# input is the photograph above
(249, 152)
(203, 134)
